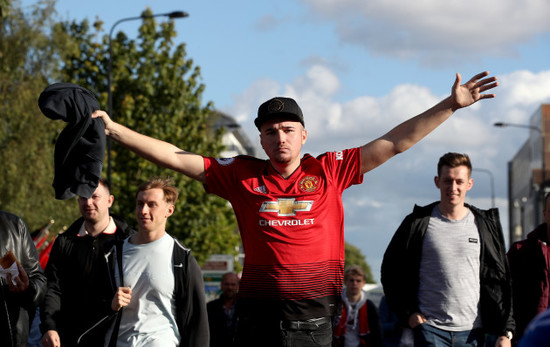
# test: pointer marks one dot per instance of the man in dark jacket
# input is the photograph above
(75, 301)
(159, 294)
(20, 294)
(222, 315)
(445, 272)
(529, 267)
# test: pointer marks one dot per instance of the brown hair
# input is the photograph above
(164, 183)
(106, 184)
(453, 160)
(354, 270)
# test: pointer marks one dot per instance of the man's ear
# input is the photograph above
(170, 210)
(436, 181)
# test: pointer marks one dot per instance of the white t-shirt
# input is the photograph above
(149, 319)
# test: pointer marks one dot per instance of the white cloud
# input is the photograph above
(375, 208)
(334, 125)
(525, 88)
(432, 30)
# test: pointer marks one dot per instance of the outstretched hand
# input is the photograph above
(470, 92)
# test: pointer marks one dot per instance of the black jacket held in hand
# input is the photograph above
(80, 147)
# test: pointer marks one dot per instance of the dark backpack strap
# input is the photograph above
(114, 335)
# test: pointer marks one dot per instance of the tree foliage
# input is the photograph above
(156, 90)
(27, 138)
(354, 256)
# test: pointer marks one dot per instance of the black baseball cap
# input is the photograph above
(279, 107)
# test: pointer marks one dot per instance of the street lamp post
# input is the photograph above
(542, 185)
(171, 15)
(539, 130)
(492, 184)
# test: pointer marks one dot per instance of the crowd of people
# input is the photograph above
(445, 274)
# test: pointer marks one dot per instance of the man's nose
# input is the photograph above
(281, 137)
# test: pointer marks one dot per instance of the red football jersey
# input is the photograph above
(292, 229)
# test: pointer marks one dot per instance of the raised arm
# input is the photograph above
(406, 134)
(159, 152)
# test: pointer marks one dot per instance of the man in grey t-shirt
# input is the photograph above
(445, 272)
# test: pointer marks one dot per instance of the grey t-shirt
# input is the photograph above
(449, 273)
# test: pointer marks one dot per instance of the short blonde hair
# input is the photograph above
(166, 184)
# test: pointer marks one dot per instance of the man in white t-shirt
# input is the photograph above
(160, 295)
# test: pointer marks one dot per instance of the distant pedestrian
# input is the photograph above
(359, 324)
(530, 268)
(222, 313)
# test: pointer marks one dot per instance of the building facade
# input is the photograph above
(527, 182)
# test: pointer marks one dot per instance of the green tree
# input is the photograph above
(27, 138)
(156, 91)
(354, 256)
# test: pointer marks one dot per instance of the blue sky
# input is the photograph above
(358, 68)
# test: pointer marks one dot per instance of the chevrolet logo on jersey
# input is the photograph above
(286, 207)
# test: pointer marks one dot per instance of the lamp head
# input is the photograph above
(178, 14)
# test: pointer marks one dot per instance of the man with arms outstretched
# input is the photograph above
(290, 213)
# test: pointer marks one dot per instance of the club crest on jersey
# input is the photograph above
(225, 161)
(309, 184)
(286, 206)
(261, 189)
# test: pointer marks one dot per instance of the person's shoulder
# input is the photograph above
(8, 217)
(239, 163)
(214, 303)
(486, 213)
(248, 162)
(248, 159)
(519, 244)
(122, 227)
(339, 154)
(537, 332)
(423, 210)
(72, 230)
(491, 216)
